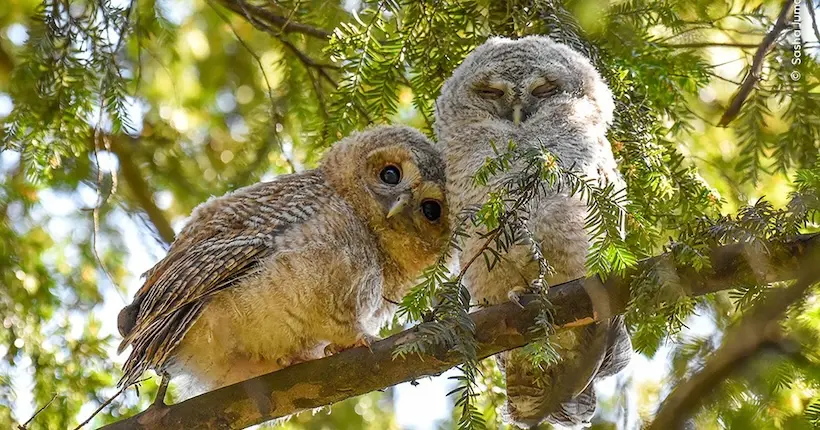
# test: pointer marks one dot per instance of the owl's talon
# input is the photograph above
(284, 362)
(366, 340)
(515, 294)
(332, 349)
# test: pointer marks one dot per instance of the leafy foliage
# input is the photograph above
(127, 114)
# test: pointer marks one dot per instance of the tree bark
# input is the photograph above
(141, 190)
(498, 328)
(753, 75)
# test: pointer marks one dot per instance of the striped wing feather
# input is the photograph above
(222, 244)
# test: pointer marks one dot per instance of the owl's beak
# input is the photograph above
(516, 116)
(398, 205)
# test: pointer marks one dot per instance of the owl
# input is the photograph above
(534, 92)
(285, 271)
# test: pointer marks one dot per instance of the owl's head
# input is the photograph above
(533, 78)
(394, 178)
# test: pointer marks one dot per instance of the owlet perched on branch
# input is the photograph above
(535, 92)
(281, 271)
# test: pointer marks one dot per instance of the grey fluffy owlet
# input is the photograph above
(534, 91)
(276, 272)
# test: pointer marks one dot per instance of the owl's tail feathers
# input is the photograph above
(562, 389)
(566, 393)
(618, 350)
(575, 413)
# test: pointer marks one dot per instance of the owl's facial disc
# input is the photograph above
(515, 94)
(401, 191)
(514, 101)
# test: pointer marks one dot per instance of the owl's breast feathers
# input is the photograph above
(223, 243)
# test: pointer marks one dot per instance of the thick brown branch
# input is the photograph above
(284, 24)
(6, 65)
(753, 76)
(742, 343)
(141, 190)
(498, 328)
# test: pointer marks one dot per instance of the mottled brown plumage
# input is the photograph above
(277, 272)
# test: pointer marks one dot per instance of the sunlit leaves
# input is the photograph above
(69, 79)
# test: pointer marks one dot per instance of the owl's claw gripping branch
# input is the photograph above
(516, 293)
(366, 341)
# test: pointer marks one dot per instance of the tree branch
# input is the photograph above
(141, 190)
(498, 328)
(24, 426)
(743, 341)
(710, 45)
(256, 17)
(253, 15)
(285, 24)
(813, 20)
(753, 76)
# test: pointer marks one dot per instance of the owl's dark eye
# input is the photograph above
(390, 175)
(489, 92)
(431, 210)
(545, 90)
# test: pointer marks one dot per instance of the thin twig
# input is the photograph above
(245, 10)
(308, 62)
(711, 45)
(108, 402)
(124, 29)
(491, 236)
(813, 19)
(391, 301)
(285, 24)
(267, 85)
(242, 177)
(289, 17)
(25, 424)
(320, 96)
(753, 75)
(101, 199)
(98, 137)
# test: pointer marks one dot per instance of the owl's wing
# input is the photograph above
(223, 243)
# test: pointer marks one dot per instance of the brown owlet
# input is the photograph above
(535, 92)
(275, 273)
